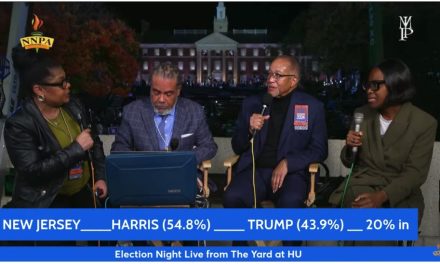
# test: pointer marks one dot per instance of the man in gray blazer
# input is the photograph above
(165, 121)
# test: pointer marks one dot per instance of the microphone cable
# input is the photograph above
(347, 181)
(267, 101)
(254, 187)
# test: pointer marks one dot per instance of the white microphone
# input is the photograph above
(267, 101)
(358, 117)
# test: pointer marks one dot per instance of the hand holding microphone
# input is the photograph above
(256, 121)
(85, 139)
(354, 137)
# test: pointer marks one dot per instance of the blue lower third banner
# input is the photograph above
(219, 254)
(208, 224)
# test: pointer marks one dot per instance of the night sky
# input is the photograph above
(192, 15)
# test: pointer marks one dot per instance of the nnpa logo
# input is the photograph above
(37, 40)
(405, 27)
(437, 252)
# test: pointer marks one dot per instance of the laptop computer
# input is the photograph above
(151, 178)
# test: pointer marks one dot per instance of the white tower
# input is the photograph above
(221, 20)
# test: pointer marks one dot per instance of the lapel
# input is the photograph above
(374, 139)
(261, 135)
(149, 128)
(398, 127)
(288, 121)
(179, 120)
(33, 110)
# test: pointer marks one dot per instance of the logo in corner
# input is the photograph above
(405, 27)
(37, 40)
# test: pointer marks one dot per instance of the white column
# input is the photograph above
(223, 66)
(199, 66)
(235, 67)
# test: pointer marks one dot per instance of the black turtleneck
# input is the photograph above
(278, 111)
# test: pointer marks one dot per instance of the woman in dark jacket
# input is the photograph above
(395, 145)
(59, 164)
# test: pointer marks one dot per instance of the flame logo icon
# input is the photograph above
(37, 40)
(37, 23)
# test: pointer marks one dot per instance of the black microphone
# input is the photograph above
(98, 192)
(81, 126)
(267, 101)
(174, 143)
(358, 118)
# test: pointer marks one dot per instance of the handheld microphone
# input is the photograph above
(98, 192)
(174, 143)
(267, 101)
(81, 126)
(358, 118)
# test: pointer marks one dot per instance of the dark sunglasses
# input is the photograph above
(373, 85)
(62, 84)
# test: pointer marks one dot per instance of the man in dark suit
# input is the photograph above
(154, 124)
(288, 136)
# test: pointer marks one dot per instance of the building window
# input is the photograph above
(180, 52)
(267, 65)
(156, 52)
(243, 52)
(192, 66)
(280, 52)
(168, 52)
(145, 66)
(256, 52)
(192, 52)
(217, 65)
(267, 52)
(255, 66)
(243, 66)
(145, 52)
(156, 63)
(292, 52)
(315, 66)
(230, 65)
(205, 66)
(180, 65)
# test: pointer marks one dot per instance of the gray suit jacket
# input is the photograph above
(398, 162)
(138, 132)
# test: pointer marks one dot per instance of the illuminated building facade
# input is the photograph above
(235, 57)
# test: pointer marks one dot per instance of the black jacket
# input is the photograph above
(41, 164)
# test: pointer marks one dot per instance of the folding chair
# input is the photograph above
(313, 169)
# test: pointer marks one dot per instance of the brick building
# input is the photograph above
(234, 56)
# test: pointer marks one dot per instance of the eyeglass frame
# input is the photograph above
(368, 85)
(278, 76)
(61, 85)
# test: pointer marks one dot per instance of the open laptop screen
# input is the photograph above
(151, 178)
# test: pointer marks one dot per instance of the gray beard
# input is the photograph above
(164, 112)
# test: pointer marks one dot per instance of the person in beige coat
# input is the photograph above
(395, 145)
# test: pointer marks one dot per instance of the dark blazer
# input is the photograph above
(138, 132)
(299, 147)
(398, 162)
(41, 164)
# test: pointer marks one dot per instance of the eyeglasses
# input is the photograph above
(278, 76)
(373, 85)
(62, 84)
